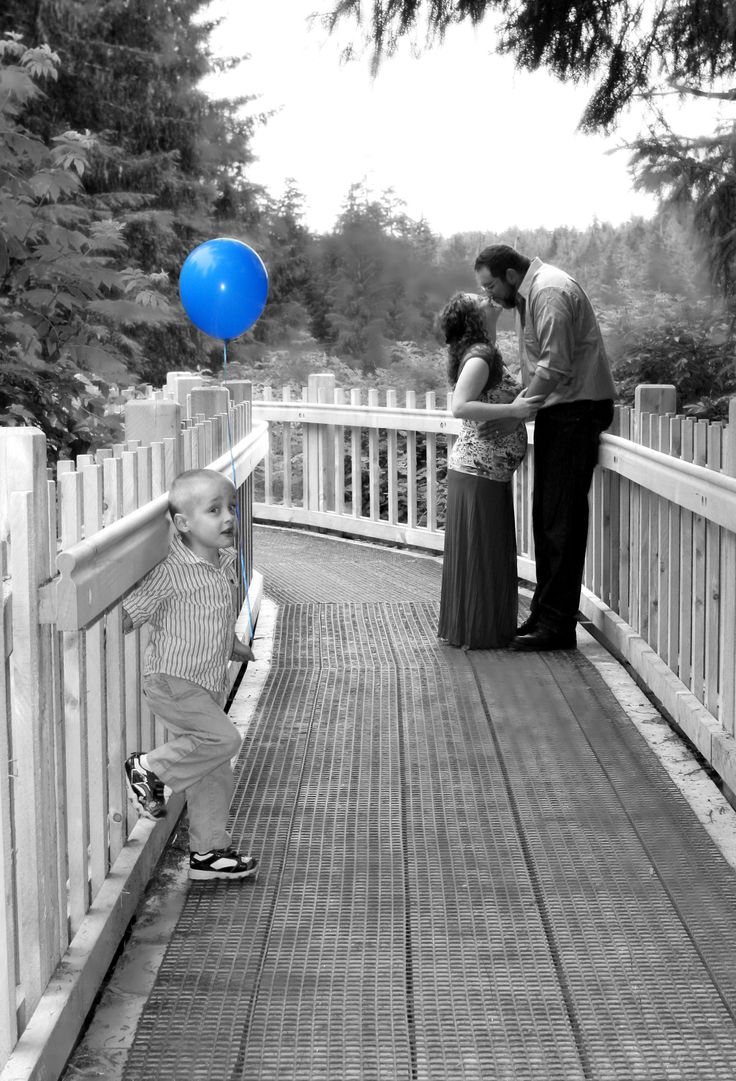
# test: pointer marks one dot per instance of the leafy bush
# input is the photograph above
(658, 338)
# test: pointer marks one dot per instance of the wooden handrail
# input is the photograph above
(359, 416)
(692, 487)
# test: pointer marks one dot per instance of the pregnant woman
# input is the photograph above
(478, 604)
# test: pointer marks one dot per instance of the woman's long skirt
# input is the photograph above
(479, 599)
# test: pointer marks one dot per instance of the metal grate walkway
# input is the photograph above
(472, 866)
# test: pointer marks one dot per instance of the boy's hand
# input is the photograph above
(241, 651)
(127, 623)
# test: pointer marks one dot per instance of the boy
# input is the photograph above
(189, 600)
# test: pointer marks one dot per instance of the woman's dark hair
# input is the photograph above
(464, 328)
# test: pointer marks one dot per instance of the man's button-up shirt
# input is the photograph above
(560, 332)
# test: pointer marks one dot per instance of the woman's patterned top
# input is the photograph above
(499, 456)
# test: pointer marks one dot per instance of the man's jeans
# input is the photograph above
(566, 439)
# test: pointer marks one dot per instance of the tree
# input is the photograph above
(68, 297)
(377, 279)
(176, 160)
(630, 48)
(696, 179)
(631, 51)
(287, 249)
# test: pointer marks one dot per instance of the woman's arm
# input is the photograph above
(469, 387)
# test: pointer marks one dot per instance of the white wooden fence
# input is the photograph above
(75, 859)
(660, 581)
(660, 587)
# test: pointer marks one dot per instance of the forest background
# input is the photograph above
(114, 165)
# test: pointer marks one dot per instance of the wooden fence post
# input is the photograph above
(209, 401)
(240, 390)
(171, 379)
(181, 385)
(656, 398)
(24, 503)
(151, 421)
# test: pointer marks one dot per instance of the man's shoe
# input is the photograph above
(542, 638)
(146, 789)
(527, 626)
(221, 863)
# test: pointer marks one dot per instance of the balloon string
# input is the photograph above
(238, 515)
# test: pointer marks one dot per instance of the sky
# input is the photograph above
(465, 140)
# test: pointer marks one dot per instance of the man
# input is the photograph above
(563, 359)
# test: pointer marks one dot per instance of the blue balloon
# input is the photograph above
(223, 286)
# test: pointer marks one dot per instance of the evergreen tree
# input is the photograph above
(633, 51)
(695, 178)
(288, 250)
(629, 47)
(69, 294)
(176, 161)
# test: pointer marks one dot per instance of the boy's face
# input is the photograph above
(207, 520)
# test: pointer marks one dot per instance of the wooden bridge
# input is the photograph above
(473, 864)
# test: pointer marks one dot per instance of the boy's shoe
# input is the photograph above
(146, 788)
(221, 863)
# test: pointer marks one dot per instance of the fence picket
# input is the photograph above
(132, 645)
(338, 452)
(57, 713)
(8, 912)
(24, 506)
(34, 767)
(625, 534)
(96, 703)
(674, 525)
(286, 448)
(75, 722)
(661, 522)
(411, 467)
(373, 465)
(700, 457)
(115, 678)
(430, 402)
(392, 460)
(267, 396)
(686, 565)
(356, 463)
(712, 586)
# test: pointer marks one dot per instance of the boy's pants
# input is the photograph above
(197, 758)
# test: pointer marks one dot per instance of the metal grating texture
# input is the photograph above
(472, 867)
(301, 567)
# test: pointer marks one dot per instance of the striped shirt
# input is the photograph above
(190, 605)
